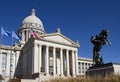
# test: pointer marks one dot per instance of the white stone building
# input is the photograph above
(83, 65)
(52, 56)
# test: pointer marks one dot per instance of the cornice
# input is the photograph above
(6, 47)
(85, 59)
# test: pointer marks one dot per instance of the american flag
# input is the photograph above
(34, 34)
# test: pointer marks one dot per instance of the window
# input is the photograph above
(83, 68)
(33, 24)
(3, 72)
(12, 58)
(79, 67)
(11, 67)
(11, 73)
(4, 60)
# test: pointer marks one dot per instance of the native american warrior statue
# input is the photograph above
(98, 41)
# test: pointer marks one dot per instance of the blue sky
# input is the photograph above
(77, 19)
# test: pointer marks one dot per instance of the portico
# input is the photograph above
(52, 58)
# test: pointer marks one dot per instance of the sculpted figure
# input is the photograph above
(98, 41)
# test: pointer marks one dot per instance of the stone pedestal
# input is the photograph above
(105, 69)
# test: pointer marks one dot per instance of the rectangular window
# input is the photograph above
(12, 63)
(4, 60)
(11, 73)
(3, 72)
(79, 67)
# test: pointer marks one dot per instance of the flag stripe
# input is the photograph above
(34, 34)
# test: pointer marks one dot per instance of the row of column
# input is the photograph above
(74, 61)
(25, 35)
(9, 62)
(83, 67)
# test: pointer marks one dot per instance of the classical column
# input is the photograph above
(73, 63)
(61, 62)
(54, 61)
(47, 61)
(36, 58)
(23, 35)
(76, 59)
(67, 57)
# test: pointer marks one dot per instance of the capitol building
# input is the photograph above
(35, 60)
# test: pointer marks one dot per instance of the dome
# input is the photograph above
(32, 19)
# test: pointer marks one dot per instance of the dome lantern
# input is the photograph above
(33, 12)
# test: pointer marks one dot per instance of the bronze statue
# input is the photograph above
(98, 42)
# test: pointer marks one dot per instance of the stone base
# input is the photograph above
(103, 70)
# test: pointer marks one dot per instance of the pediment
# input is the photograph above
(59, 38)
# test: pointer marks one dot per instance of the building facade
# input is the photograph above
(53, 55)
(8, 61)
(83, 65)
